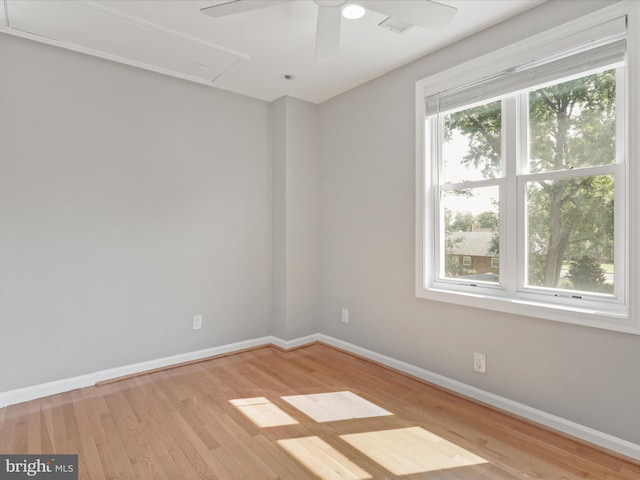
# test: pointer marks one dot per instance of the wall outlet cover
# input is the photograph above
(480, 362)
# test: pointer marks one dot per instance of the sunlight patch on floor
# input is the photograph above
(262, 412)
(322, 459)
(407, 451)
(330, 407)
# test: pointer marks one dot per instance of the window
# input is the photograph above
(525, 174)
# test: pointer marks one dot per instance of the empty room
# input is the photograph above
(319, 239)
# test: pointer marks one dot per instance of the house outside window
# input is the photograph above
(525, 172)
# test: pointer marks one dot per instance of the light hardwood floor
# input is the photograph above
(226, 418)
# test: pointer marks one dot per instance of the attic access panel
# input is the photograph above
(98, 30)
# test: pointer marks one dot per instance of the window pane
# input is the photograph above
(570, 233)
(573, 124)
(472, 147)
(471, 228)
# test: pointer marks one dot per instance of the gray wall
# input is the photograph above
(129, 201)
(296, 254)
(279, 215)
(367, 231)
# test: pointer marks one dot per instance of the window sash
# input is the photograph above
(617, 171)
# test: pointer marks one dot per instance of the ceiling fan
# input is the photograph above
(425, 13)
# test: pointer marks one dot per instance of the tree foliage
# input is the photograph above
(462, 222)
(482, 126)
(487, 219)
(466, 221)
(586, 273)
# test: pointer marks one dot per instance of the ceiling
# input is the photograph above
(247, 53)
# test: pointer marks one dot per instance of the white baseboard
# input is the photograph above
(560, 424)
(563, 425)
(118, 372)
(25, 394)
(295, 343)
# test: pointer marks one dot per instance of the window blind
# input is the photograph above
(608, 50)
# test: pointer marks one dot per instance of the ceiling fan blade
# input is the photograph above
(328, 33)
(238, 6)
(424, 13)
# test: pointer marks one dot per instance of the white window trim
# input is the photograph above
(534, 48)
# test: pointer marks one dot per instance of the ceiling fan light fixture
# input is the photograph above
(353, 11)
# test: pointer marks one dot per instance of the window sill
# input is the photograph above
(558, 313)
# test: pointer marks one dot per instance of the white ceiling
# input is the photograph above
(245, 53)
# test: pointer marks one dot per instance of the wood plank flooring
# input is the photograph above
(226, 419)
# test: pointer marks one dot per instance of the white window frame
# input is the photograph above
(624, 318)
(495, 262)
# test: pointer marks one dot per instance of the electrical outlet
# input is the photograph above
(197, 322)
(345, 315)
(480, 362)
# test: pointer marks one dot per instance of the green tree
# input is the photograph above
(482, 126)
(586, 274)
(453, 266)
(487, 219)
(462, 222)
(495, 244)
